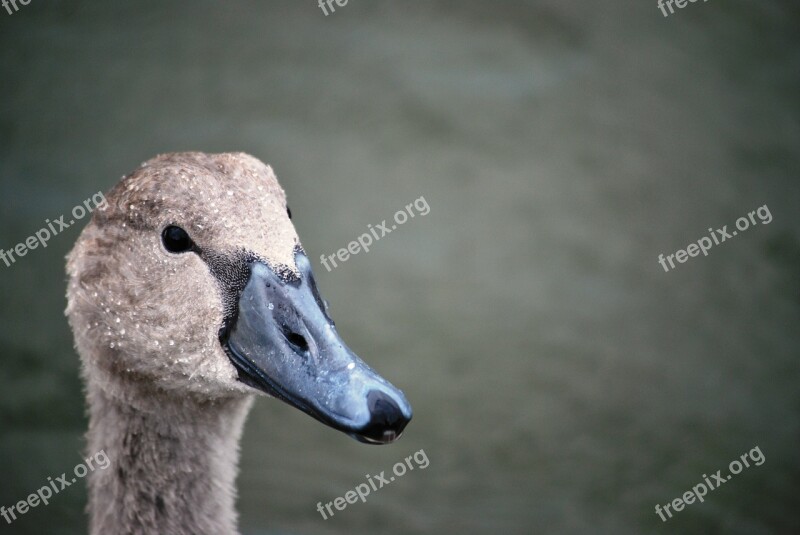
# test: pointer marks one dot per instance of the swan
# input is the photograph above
(188, 295)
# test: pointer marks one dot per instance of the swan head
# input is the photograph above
(190, 282)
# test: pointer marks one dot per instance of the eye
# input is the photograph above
(289, 211)
(176, 240)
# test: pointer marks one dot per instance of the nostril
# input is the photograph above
(297, 340)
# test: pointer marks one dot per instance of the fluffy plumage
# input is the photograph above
(164, 401)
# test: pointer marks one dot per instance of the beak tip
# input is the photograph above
(388, 417)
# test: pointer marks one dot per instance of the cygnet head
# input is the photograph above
(190, 282)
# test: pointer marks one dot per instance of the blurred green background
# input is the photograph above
(562, 382)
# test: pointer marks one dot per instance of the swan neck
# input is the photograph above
(173, 464)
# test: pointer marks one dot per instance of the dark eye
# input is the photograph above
(289, 211)
(176, 240)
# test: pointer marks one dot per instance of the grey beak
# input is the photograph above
(284, 343)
